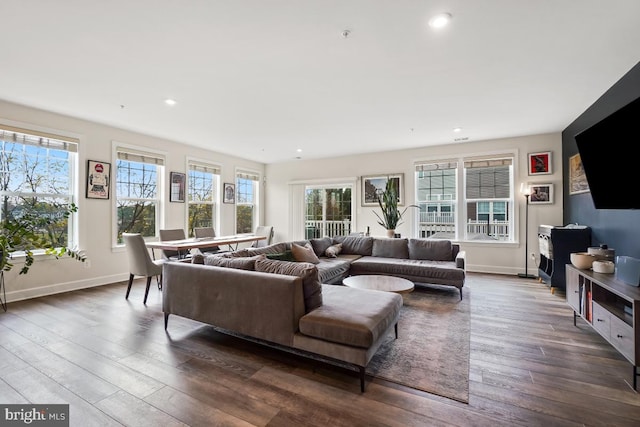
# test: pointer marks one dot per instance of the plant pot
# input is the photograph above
(391, 233)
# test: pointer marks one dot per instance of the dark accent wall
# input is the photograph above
(619, 229)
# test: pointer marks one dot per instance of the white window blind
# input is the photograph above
(204, 167)
(38, 139)
(133, 155)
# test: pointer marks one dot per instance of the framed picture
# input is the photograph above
(541, 194)
(177, 187)
(373, 185)
(540, 163)
(577, 179)
(98, 179)
(229, 193)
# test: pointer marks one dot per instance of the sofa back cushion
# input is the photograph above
(321, 245)
(355, 245)
(311, 286)
(276, 248)
(434, 250)
(246, 263)
(390, 248)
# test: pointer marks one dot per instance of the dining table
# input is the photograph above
(183, 246)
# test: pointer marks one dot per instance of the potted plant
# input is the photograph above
(27, 232)
(391, 216)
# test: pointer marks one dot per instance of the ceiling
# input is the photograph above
(261, 79)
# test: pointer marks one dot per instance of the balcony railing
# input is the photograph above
(317, 228)
(430, 225)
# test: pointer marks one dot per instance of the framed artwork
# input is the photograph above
(373, 185)
(98, 179)
(577, 179)
(540, 163)
(541, 194)
(177, 187)
(229, 193)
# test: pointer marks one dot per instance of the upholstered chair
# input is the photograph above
(140, 262)
(204, 233)
(171, 234)
(264, 230)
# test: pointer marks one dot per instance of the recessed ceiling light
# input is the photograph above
(170, 101)
(457, 129)
(440, 20)
(299, 150)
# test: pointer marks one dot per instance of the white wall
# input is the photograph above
(107, 264)
(481, 256)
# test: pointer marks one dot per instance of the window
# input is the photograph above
(483, 211)
(138, 196)
(328, 211)
(203, 182)
(247, 197)
(37, 176)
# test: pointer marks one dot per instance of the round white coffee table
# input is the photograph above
(379, 283)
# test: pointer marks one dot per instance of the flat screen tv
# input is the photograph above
(609, 161)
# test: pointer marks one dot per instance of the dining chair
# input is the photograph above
(207, 232)
(263, 230)
(172, 234)
(140, 262)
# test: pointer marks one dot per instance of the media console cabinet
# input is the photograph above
(611, 307)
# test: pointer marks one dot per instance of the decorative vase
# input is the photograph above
(391, 233)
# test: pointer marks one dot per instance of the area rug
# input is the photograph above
(432, 350)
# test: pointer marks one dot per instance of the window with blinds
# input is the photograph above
(138, 198)
(477, 208)
(38, 177)
(203, 183)
(247, 192)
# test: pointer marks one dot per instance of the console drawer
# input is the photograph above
(622, 338)
(601, 321)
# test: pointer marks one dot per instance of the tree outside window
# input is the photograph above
(36, 177)
(202, 184)
(137, 195)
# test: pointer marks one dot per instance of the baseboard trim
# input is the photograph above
(57, 288)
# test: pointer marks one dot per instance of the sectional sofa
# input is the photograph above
(258, 294)
(423, 261)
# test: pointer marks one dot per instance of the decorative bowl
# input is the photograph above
(582, 260)
(606, 267)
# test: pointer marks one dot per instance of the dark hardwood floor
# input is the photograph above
(112, 361)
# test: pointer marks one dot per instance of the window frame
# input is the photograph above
(461, 233)
(53, 137)
(161, 198)
(256, 198)
(216, 189)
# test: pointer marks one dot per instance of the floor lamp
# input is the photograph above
(527, 193)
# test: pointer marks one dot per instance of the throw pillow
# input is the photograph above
(196, 256)
(320, 245)
(334, 250)
(311, 286)
(304, 253)
(245, 263)
(282, 256)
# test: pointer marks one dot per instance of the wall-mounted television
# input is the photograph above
(609, 161)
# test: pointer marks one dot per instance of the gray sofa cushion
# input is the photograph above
(435, 250)
(321, 245)
(312, 288)
(390, 248)
(418, 271)
(276, 248)
(246, 263)
(349, 316)
(354, 245)
(331, 269)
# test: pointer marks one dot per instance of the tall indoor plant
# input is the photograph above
(391, 216)
(30, 231)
